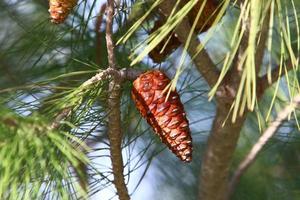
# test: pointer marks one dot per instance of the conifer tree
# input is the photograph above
(208, 77)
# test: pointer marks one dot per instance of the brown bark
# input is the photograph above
(223, 139)
(219, 151)
(114, 113)
(115, 138)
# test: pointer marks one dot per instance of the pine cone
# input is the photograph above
(60, 9)
(167, 118)
(165, 47)
(207, 16)
(206, 19)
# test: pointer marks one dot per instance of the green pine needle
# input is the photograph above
(35, 158)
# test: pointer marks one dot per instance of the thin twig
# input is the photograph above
(109, 33)
(102, 75)
(114, 126)
(269, 132)
(65, 113)
(122, 74)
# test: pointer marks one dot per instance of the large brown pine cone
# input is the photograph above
(60, 9)
(167, 118)
(170, 43)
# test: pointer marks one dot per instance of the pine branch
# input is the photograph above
(266, 136)
(114, 115)
(109, 33)
(223, 138)
(203, 62)
(100, 76)
(45, 145)
(216, 161)
(122, 75)
(234, 75)
(64, 114)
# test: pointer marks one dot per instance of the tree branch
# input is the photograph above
(122, 75)
(64, 114)
(114, 113)
(266, 136)
(204, 64)
(223, 138)
(109, 32)
(216, 161)
(114, 122)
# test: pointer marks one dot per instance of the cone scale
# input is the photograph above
(166, 117)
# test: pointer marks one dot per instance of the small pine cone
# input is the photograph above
(167, 118)
(207, 16)
(60, 9)
(171, 42)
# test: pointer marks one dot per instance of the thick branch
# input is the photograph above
(222, 141)
(204, 64)
(266, 136)
(217, 159)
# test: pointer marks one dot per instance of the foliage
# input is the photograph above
(35, 160)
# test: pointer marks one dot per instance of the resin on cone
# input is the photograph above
(170, 43)
(60, 9)
(166, 117)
